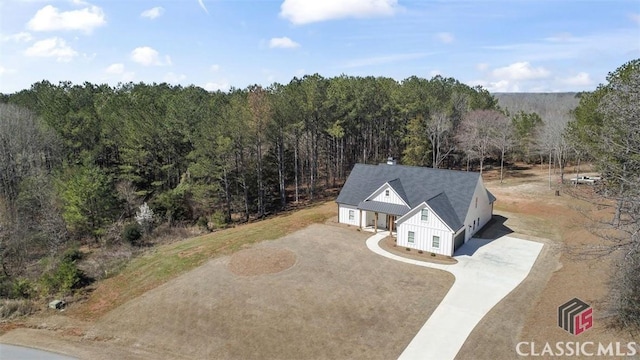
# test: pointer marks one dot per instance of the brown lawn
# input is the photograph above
(317, 293)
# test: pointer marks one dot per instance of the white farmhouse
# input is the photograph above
(433, 210)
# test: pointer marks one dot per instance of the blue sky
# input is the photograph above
(515, 45)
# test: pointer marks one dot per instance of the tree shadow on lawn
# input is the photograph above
(494, 229)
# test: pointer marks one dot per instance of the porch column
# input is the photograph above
(391, 225)
(360, 220)
(375, 224)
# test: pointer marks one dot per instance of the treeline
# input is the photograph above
(81, 162)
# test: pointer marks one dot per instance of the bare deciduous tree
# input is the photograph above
(439, 126)
(503, 138)
(475, 134)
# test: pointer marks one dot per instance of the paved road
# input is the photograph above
(487, 270)
(13, 352)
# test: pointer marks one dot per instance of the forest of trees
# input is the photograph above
(84, 163)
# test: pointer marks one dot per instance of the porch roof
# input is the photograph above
(382, 207)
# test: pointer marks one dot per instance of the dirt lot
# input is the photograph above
(319, 293)
(529, 313)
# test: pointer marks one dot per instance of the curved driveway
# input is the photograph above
(487, 270)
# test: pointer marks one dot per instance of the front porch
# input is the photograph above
(372, 221)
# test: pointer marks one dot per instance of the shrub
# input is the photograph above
(63, 279)
(420, 251)
(14, 308)
(203, 223)
(408, 249)
(132, 233)
(21, 289)
(433, 254)
(218, 220)
(72, 254)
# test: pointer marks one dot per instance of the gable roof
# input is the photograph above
(396, 185)
(447, 192)
(442, 206)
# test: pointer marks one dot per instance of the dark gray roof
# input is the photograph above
(442, 206)
(396, 185)
(491, 197)
(382, 207)
(416, 185)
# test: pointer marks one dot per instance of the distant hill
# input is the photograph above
(547, 105)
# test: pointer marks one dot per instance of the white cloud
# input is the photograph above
(18, 37)
(581, 79)
(148, 56)
(4, 70)
(115, 69)
(305, 11)
(215, 68)
(213, 86)
(519, 76)
(153, 12)
(50, 18)
(482, 66)
(202, 6)
(119, 70)
(496, 86)
(283, 42)
(173, 78)
(445, 37)
(635, 17)
(52, 47)
(434, 73)
(520, 71)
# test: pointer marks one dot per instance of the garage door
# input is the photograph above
(458, 240)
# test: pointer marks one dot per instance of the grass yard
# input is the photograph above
(336, 300)
(166, 262)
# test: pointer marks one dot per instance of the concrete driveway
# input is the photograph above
(486, 272)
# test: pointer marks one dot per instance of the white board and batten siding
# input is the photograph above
(424, 231)
(480, 210)
(386, 194)
(344, 215)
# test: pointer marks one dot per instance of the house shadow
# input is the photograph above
(494, 229)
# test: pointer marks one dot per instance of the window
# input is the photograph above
(386, 193)
(435, 242)
(424, 216)
(474, 224)
(412, 236)
(476, 202)
(351, 215)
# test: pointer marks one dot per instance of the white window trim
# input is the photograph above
(422, 212)
(352, 215)
(411, 239)
(433, 240)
